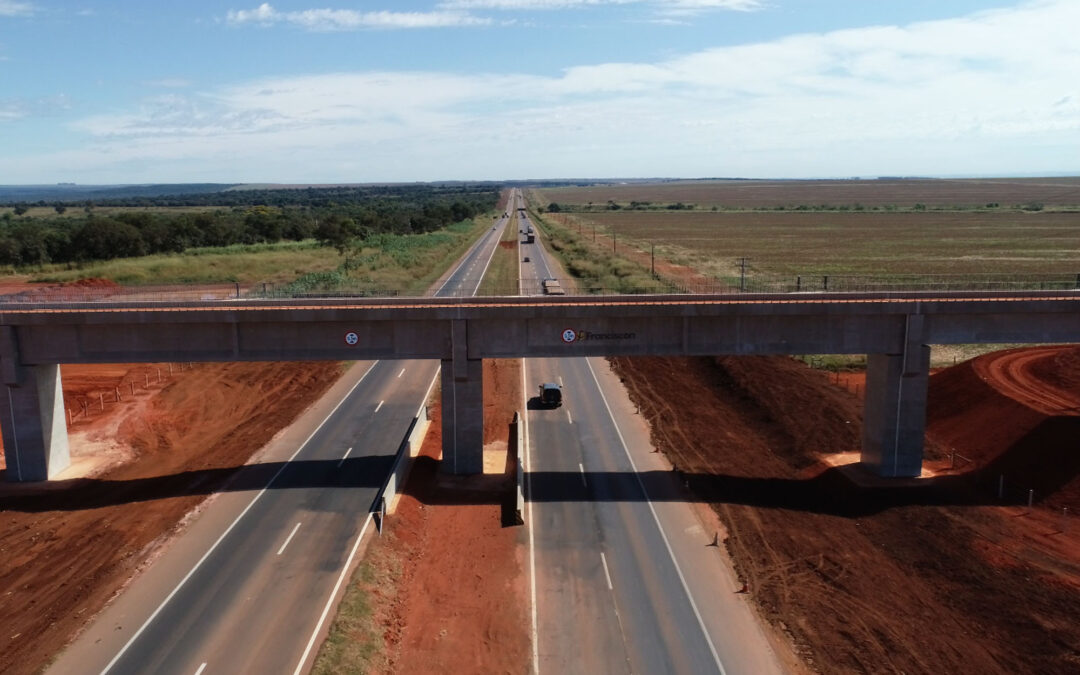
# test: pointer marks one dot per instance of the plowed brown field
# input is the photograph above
(916, 578)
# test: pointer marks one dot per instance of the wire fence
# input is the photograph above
(757, 284)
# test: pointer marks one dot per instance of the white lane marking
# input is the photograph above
(378, 406)
(568, 418)
(229, 529)
(333, 594)
(201, 668)
(582, 467)
(532, 531)
(401, 373)
(291, 535)
(484, 272)
(344, 457)
(607, 574)
(663, 535)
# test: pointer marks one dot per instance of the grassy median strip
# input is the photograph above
(502, 273)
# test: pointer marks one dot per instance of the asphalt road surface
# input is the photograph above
(625, 581)
(248, 587)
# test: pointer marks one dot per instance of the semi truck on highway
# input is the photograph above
(530, 238)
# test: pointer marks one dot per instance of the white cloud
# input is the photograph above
(347, 19)
(674, 6)
(169, 83)
(12, 8)
(993, 92)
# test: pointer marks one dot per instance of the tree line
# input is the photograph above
(334, 216)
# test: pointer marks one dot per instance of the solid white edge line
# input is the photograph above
(663, 535)
(607, 574)
(344, 457)
(201, 668)
(378, 406)
(333, 594)
(532, 530)
(486, 265)
(229, 529)
(291, 535)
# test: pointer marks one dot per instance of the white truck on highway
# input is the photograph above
(552, 287)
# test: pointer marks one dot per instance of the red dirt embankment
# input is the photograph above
(449, 586)
(925, 578)
(67, 546)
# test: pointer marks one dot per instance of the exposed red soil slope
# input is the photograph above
(925, 578)
(183, 441)
(460, 603)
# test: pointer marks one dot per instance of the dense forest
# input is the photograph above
(335, 216)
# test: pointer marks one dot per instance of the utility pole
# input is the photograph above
(742, 275)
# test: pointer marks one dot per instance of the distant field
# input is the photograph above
(746, 194)
(871, 243)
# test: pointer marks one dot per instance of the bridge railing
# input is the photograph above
(832, 284)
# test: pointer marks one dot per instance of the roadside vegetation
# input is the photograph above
(597, 269)
(502, 274)
(336, 217)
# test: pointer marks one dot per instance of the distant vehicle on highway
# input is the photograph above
(552, 287)
(550, 395)
(525, 259)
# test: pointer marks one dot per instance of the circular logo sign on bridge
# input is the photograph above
(351, 338)
(569, 335)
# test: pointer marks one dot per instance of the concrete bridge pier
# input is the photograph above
(894, 413)
(32, 421)
(462, 383)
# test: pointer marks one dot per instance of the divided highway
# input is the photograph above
(631, 580)
(249, 586)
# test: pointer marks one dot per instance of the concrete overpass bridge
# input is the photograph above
(894, 330)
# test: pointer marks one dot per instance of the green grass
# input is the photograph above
(355, 643)
(406, 264)
(403, 264)
(502, 274)
(274, 263)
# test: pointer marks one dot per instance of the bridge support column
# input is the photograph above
(894, 414)
(33, 423)
(462, 383)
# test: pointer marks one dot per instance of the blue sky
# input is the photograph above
(332, 91)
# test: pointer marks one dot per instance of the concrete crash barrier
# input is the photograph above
(386, 500)
(519, 444)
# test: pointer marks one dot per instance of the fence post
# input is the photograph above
(798, 284)
(1065, 519)
(132, 383)
(1031, 497)
(146, 380)
(69, 415)
(825, 283)
(238, 289)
